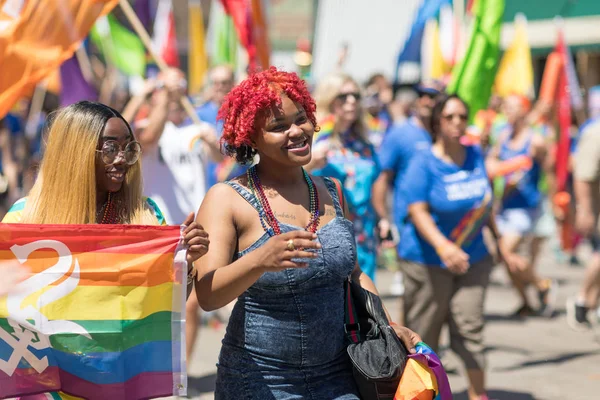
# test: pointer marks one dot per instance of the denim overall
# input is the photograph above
(285, 338)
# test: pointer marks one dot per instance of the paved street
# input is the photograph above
(535, 359)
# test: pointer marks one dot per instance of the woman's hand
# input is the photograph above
(319, 157)
(280, 251)
(454, 258)
(12, 273)
(408, 337)
(585, 222)
(195, 238)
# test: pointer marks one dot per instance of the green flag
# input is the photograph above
(120, 46)
(473, 78)
(226, 42)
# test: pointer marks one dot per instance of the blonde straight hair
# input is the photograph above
(65, 190)
(326, 92)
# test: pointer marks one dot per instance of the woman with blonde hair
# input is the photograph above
(342, 150)
(91, 174)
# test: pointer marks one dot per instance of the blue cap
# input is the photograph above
(432, 88)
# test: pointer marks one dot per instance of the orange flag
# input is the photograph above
(36, 36)
(261, 34)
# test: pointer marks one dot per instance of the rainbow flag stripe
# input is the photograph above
(101, 315)
(472, 223)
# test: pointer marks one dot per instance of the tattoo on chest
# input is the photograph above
(285, 215)
(330, 212)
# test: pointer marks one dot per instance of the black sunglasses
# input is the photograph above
(111, 150)
(450, 117)
(343, 97)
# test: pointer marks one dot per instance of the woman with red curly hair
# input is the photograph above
(282, 247)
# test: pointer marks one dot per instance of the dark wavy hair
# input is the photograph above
(436, 113)
(244, 109)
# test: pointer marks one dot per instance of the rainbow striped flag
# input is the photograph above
(101, 315)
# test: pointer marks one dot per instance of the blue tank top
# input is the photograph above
(526, 192)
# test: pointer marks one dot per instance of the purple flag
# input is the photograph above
(74, 87)
(142, 9)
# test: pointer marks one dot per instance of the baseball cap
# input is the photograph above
(429, 87)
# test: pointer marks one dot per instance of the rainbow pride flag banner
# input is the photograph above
(101, 315)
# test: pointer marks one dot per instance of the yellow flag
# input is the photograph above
(439, 66)
(434, 65)
(515, 74)
(197, 60)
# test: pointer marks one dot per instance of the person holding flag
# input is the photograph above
(91, 174)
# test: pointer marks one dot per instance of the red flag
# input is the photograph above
(564, 117)
(470, 5)
(165, 37)
(249, 22)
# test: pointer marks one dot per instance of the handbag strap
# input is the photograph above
(351, 326)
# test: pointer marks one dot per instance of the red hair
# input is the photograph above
(244, 108)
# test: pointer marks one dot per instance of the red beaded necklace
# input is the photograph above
(110, 212)
(268, 215)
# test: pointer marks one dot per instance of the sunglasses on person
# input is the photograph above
(450, 117)
(343, 97)
(111, 150)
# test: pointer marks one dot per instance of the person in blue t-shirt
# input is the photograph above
(402, 142)
(221, 79)
(445, 261)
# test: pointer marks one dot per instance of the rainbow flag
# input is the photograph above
(424, 377)
(101, 315)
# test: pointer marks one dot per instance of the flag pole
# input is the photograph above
(35, 109)
(84, 63)
(143, 34)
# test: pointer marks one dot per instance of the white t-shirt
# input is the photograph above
(174, 172)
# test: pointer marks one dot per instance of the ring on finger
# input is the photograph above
(290, 245)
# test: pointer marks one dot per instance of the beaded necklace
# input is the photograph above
(109, 216)
(268, 217)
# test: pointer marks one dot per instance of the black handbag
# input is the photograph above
(378, 356)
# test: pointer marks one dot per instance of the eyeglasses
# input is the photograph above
(450, 117)
(222, 83)
(343, 97)
(111, 150)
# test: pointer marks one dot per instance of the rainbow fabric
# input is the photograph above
(424, 377)
(326, 125)
(101, 315)
(471, 224)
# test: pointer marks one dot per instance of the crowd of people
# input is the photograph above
(271, 237)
